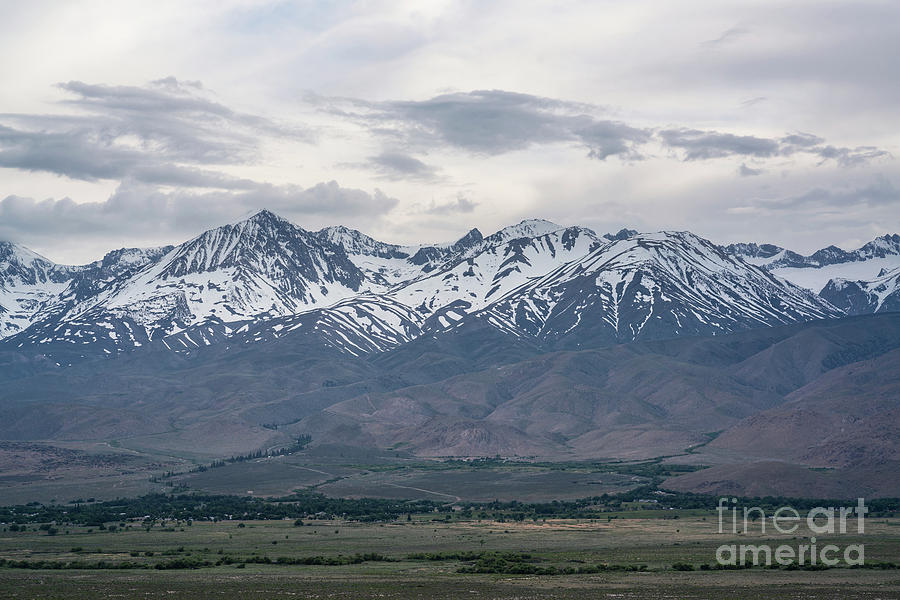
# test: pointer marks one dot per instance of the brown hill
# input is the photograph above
(848, 416)
(769, 478)
(818, 394)
(644, 400)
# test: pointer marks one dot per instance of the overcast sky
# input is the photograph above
(144, 123)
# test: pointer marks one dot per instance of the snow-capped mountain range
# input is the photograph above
(815, 271)
(653, 285)
(33, 288)
(265, 278)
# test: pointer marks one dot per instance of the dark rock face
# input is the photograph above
(849, 296)
(881, 294)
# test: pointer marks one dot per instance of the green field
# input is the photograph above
(420, 556)
(335, 471)
(347, 476)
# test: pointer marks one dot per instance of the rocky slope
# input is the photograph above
(653, 286)
(881, 294)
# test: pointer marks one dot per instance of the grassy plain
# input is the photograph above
(658, 543)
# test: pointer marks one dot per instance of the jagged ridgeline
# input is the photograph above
(265, 278)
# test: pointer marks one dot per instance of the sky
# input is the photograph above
(145, 123)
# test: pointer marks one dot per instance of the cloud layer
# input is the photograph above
(164, 133)
(704, 115)
(493, 122)
(170, 147)
(140, 212)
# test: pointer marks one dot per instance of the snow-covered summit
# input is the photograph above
(622, 234)
(356, 242)
(263, 265)
(655, 285)
(880, 294)
(528, 228)
(29, 285)
(21, 266)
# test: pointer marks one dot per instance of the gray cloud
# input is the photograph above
(746, 171)
(753, 101)
(171, 133)
(461, 205)
(137, 212)
(87, 156)
(696, 144)
(493, 122)
(79, 154)
(851, 157)
(727, 37)
(611, 138)
(702, 145)
(158, 134)
(801, 140)
(862, 202)
(880, 192)
(170, 110)
(397, 165)
(174, 85)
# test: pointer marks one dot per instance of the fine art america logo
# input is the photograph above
(786, 520)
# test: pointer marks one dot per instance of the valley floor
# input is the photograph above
(273, 583)
(422, 558)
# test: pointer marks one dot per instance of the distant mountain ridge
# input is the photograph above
(773, 257)
(33, 287)
(656, 286)
(265, 277)
(819, 269)
(860, 297)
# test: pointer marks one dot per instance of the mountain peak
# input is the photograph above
(623, 234)
(355, 242)
(21, 254)
(472, 237)
(538, 223)
(265, 216)
(526, 229)
(28, 266)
